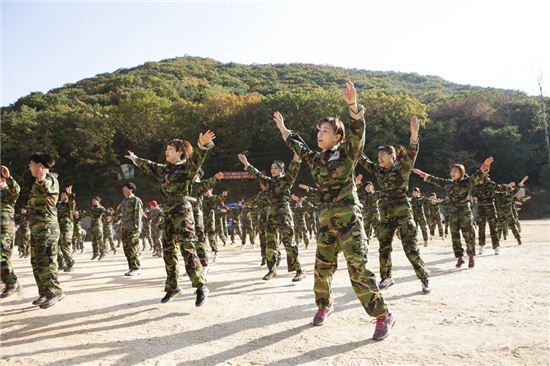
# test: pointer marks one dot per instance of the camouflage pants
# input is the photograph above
(44, 252)
(212, 239)
(262, 224)
(146, 238)
(155, 235)
(178, 234)
(130, 245)
(97, 240)
(447, 224)
(6, 268)
(280, 220)
(78, 239)
(398, 216)
(200, 245)
(461, 221)
(506, 220)
(433, 221)
(64, 258)
(23, 241)
(247, 231)
(487, 214)
(234, 230)
(108, 238)
(221, 231)
(341, 230)
(300, 235)
(371, 222)
(420, 221)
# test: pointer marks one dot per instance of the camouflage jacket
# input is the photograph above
(175, 179)
(334, 170)
(278, 187)
(485, 191)
(432, 209)
(8, 197)
(65, 213)
(42, 202)
(197, 191)
(130, 213)
(369, 201)
(96, 213)
(156, 217)
(393, 183)
(417, 204)
(458, 192)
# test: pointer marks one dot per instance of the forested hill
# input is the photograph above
(89, 125)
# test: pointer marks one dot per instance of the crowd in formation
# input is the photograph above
(340, 214)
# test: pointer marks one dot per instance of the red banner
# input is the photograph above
(238, 175)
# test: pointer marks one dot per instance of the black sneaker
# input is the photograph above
(384, 324)
(10, 290)
(52, 301)
(94, 257)
(202, 295)
(300, 275)
(426, 289)
(40, 300)
(171, 295)
(471, 262)
(264, 261)
(101, 256)
(270, 275)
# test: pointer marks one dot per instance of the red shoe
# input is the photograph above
(322, 315)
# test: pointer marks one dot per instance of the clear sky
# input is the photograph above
(488, 43)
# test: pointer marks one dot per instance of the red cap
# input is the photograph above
(153, 204)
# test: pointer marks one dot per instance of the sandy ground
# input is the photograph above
(495, 314)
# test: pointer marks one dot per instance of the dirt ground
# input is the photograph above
(495, 314)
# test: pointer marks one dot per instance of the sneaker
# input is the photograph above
(8, 291)
(264, 261)
(386, 283)
(322, 315)
(300, 275)
(270, 275)
(69, 269)
(480, 251)
(519, 241)
(497, 250)
(52, 301)
(101, 256)
(202, 295)
(384, 324)
(426, 289)
(134, 272)
(171, 295)
(40, 300)
(94, 257)
(471, 262)
(127, 273)
(459, 262)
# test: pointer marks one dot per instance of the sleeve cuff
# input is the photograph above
(285, 134)
(205, 147)
(360, 113)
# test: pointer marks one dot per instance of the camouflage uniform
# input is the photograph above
(485, 193)
(504, 202)
(210, 204)
(279, 217)
(246, 225)
(221, 223)
(155, 216)
(78, 233)
(341, 222)
(23, 236)
(371, 214)
(396, 212)
(108, 231)
(130, 213)
(446, 215)
(300, 231)
(417, 204)
(434, 218)
(458, 193)
(44, 235)
(235, 228)
(8, 197)
(178, 228)
(197, 191)
(65, 218)
(96, 213)
(146, 232)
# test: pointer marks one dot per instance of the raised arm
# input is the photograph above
(197, 157)
(293, 140)
(366, 163)
(292, 171)
(255, 172)
(201, 187)
(13, 188)
(435, 181)
(408, 159)
(355, 140)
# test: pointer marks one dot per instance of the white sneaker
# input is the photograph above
(386, 283)
(497, 250)
(480, 250)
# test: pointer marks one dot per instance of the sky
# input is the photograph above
(504, 44)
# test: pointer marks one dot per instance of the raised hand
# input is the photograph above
(350, 94)
(524, 180)
(219, 176)
(419, 172)
(295, 198)
(243, 159)
(69, 190)
(5, 172)
(279, 120)
(487, 164)
(303, 186)
(131, 156)
(415, 127)
(206, 138)
(358, 178)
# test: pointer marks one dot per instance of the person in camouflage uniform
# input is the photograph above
(198, 189)
(210, 204)
(485, 192)
(96, 213)
(130, 213)
(107, 221)
(65, 208)
(146, 231)
(44, 230)
(392, 174)
(504, 203)
(246, 224)
(433, 215)
(23, 234)
(221, 219)
(79, 234)
(369, 199)
(313, 201)
(300, 231)
(341, 222)
(262, 202)
(178, 230)
(279, 218)
(417, 204)
(156, 216)
(458, 190)
(235, 228)
(446, 215)
(9, 192)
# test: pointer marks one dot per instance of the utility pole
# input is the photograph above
(542, 107)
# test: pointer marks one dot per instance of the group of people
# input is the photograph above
(338, 211)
